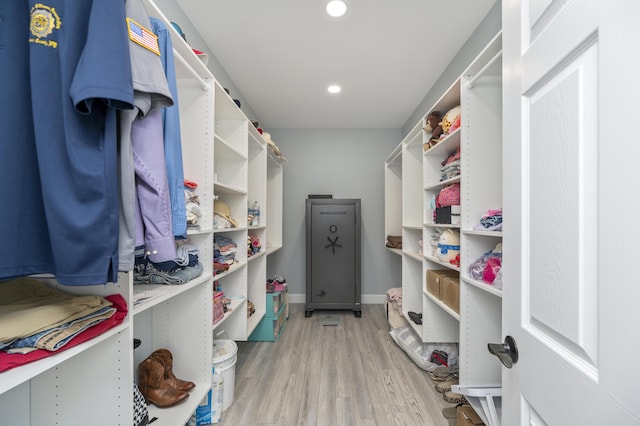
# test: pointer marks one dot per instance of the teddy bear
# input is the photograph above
(432, 121)
(432, 125)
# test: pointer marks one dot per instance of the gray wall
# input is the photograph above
(347, 163)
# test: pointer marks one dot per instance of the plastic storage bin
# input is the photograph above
(269, 329)
(275, 300)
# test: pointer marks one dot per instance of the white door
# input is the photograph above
(571, 195)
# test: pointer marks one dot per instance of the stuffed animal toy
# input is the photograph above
(449, 245)
(432, 125)
(432, 121)
(455, 125)
(449, 118)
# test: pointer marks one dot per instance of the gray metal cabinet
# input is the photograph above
(333, 254)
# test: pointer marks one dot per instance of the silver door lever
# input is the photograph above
(506, 352)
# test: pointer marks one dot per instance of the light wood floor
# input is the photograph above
(350, 374)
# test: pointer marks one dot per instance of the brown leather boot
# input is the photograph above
(153, 386)
(169, 377)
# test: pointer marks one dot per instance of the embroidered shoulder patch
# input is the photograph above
(44, 20)
(142, 36)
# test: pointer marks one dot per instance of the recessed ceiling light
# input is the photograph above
(334, 88)
(336, 8)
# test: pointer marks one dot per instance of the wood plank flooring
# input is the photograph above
(349, 374)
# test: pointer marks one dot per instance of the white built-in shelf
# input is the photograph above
(232, 269)
(442, 305)
(442, 183)
(258, 255)
(439, 262)
(237, 304)
(483, 233)
(413, 255)
(147, 296)
(489, 288)
(442, 225)
(446, 146)
(395, 251)
(19, 375)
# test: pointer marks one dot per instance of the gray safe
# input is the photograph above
(333, 255)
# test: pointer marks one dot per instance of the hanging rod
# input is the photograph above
(483, 69)
(192, 71)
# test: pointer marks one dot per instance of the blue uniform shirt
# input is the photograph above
(78, 75)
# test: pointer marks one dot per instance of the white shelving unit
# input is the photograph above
(412, 178)
(393, 196)
(275, 202)
(481, 190)
(91, 383)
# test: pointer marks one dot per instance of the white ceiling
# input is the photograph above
(386, 55)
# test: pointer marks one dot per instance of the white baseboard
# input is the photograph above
(365, 299)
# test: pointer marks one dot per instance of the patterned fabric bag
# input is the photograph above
(140, 409)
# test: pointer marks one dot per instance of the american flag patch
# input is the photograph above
(142, 36)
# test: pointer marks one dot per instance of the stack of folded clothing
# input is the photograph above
(450, 166)
(182, 269)
(224, 252)
(37, 320)
(490, 221)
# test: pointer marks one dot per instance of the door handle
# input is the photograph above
(506, 352)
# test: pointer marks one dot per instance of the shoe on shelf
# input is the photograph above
(415, 317)
(153, 386)
(167, 359)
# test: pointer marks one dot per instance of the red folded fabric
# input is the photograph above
(9, 361)
(190, 184)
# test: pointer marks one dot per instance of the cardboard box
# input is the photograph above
(448, 215)
(450, 291)
(434, 280)
(467, 416)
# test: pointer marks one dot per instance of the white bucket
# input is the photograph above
(225, 355)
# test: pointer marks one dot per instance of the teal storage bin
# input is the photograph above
(275, 301)
(270, 328)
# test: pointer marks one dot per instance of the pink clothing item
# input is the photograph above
(395, 295)
(449, 196)
(489, 213)
(491, 269)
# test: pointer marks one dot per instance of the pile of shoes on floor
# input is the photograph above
(462, 414)
(443, 378)
(157, 382)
